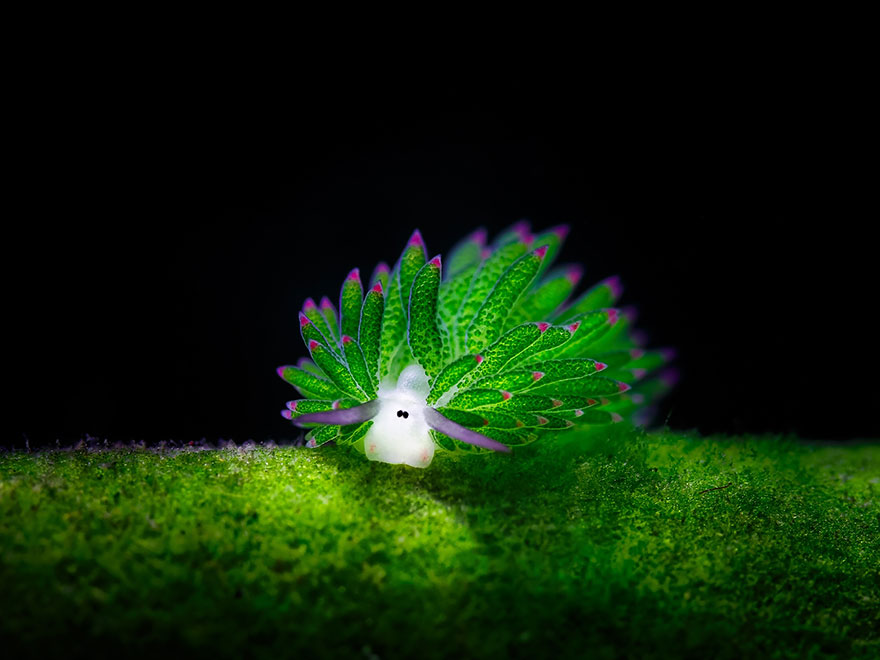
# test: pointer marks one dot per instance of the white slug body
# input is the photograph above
(399, 433)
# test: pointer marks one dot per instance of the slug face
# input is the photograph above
(399, 433)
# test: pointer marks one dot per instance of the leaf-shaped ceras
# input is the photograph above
(496, 352)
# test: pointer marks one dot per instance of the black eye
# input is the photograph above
(402, 413)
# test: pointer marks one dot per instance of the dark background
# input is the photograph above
(168, 226)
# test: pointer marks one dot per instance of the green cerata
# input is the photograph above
(483, 351)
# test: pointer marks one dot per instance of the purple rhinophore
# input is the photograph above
(447, 427)
(343, 417)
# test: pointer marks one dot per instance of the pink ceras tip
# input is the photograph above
(416, 238)
(670, 377)
(383, 268)
(313, 345)
(574, 326)
(543, 325)
(601, 366)
(309, 304)
(346, 339)
(521, 227)
(639, 373)
(355, 274)
(325, 303)
(522, 230)
(485, 253)
(478, 358)
(541, 251)
(613, 316)
(578, 412)
(542, 420)
(561, 231)
(615, 417)
(479, 237)
(303, 320)
(537, 375)
(637, 353)
(574, 274)
(623, 387)
(436, 262)
(280, 371)
(377, 288)
(291, 405)
(615, 285)
(286, 414)
(556, 403)
(592, 402)
(505, 395)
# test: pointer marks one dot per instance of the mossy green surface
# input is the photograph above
(601, 546)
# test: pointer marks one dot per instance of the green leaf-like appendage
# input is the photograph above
(370, 329)
(351, 299)
(423, 334)
(493, 347)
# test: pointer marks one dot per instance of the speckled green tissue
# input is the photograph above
(616, 544)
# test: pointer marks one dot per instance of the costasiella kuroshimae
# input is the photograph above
(484, 352)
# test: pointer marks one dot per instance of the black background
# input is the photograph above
(169, 224)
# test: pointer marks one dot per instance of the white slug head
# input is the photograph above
(400, 433)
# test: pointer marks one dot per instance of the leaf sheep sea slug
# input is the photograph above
(482, 351)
